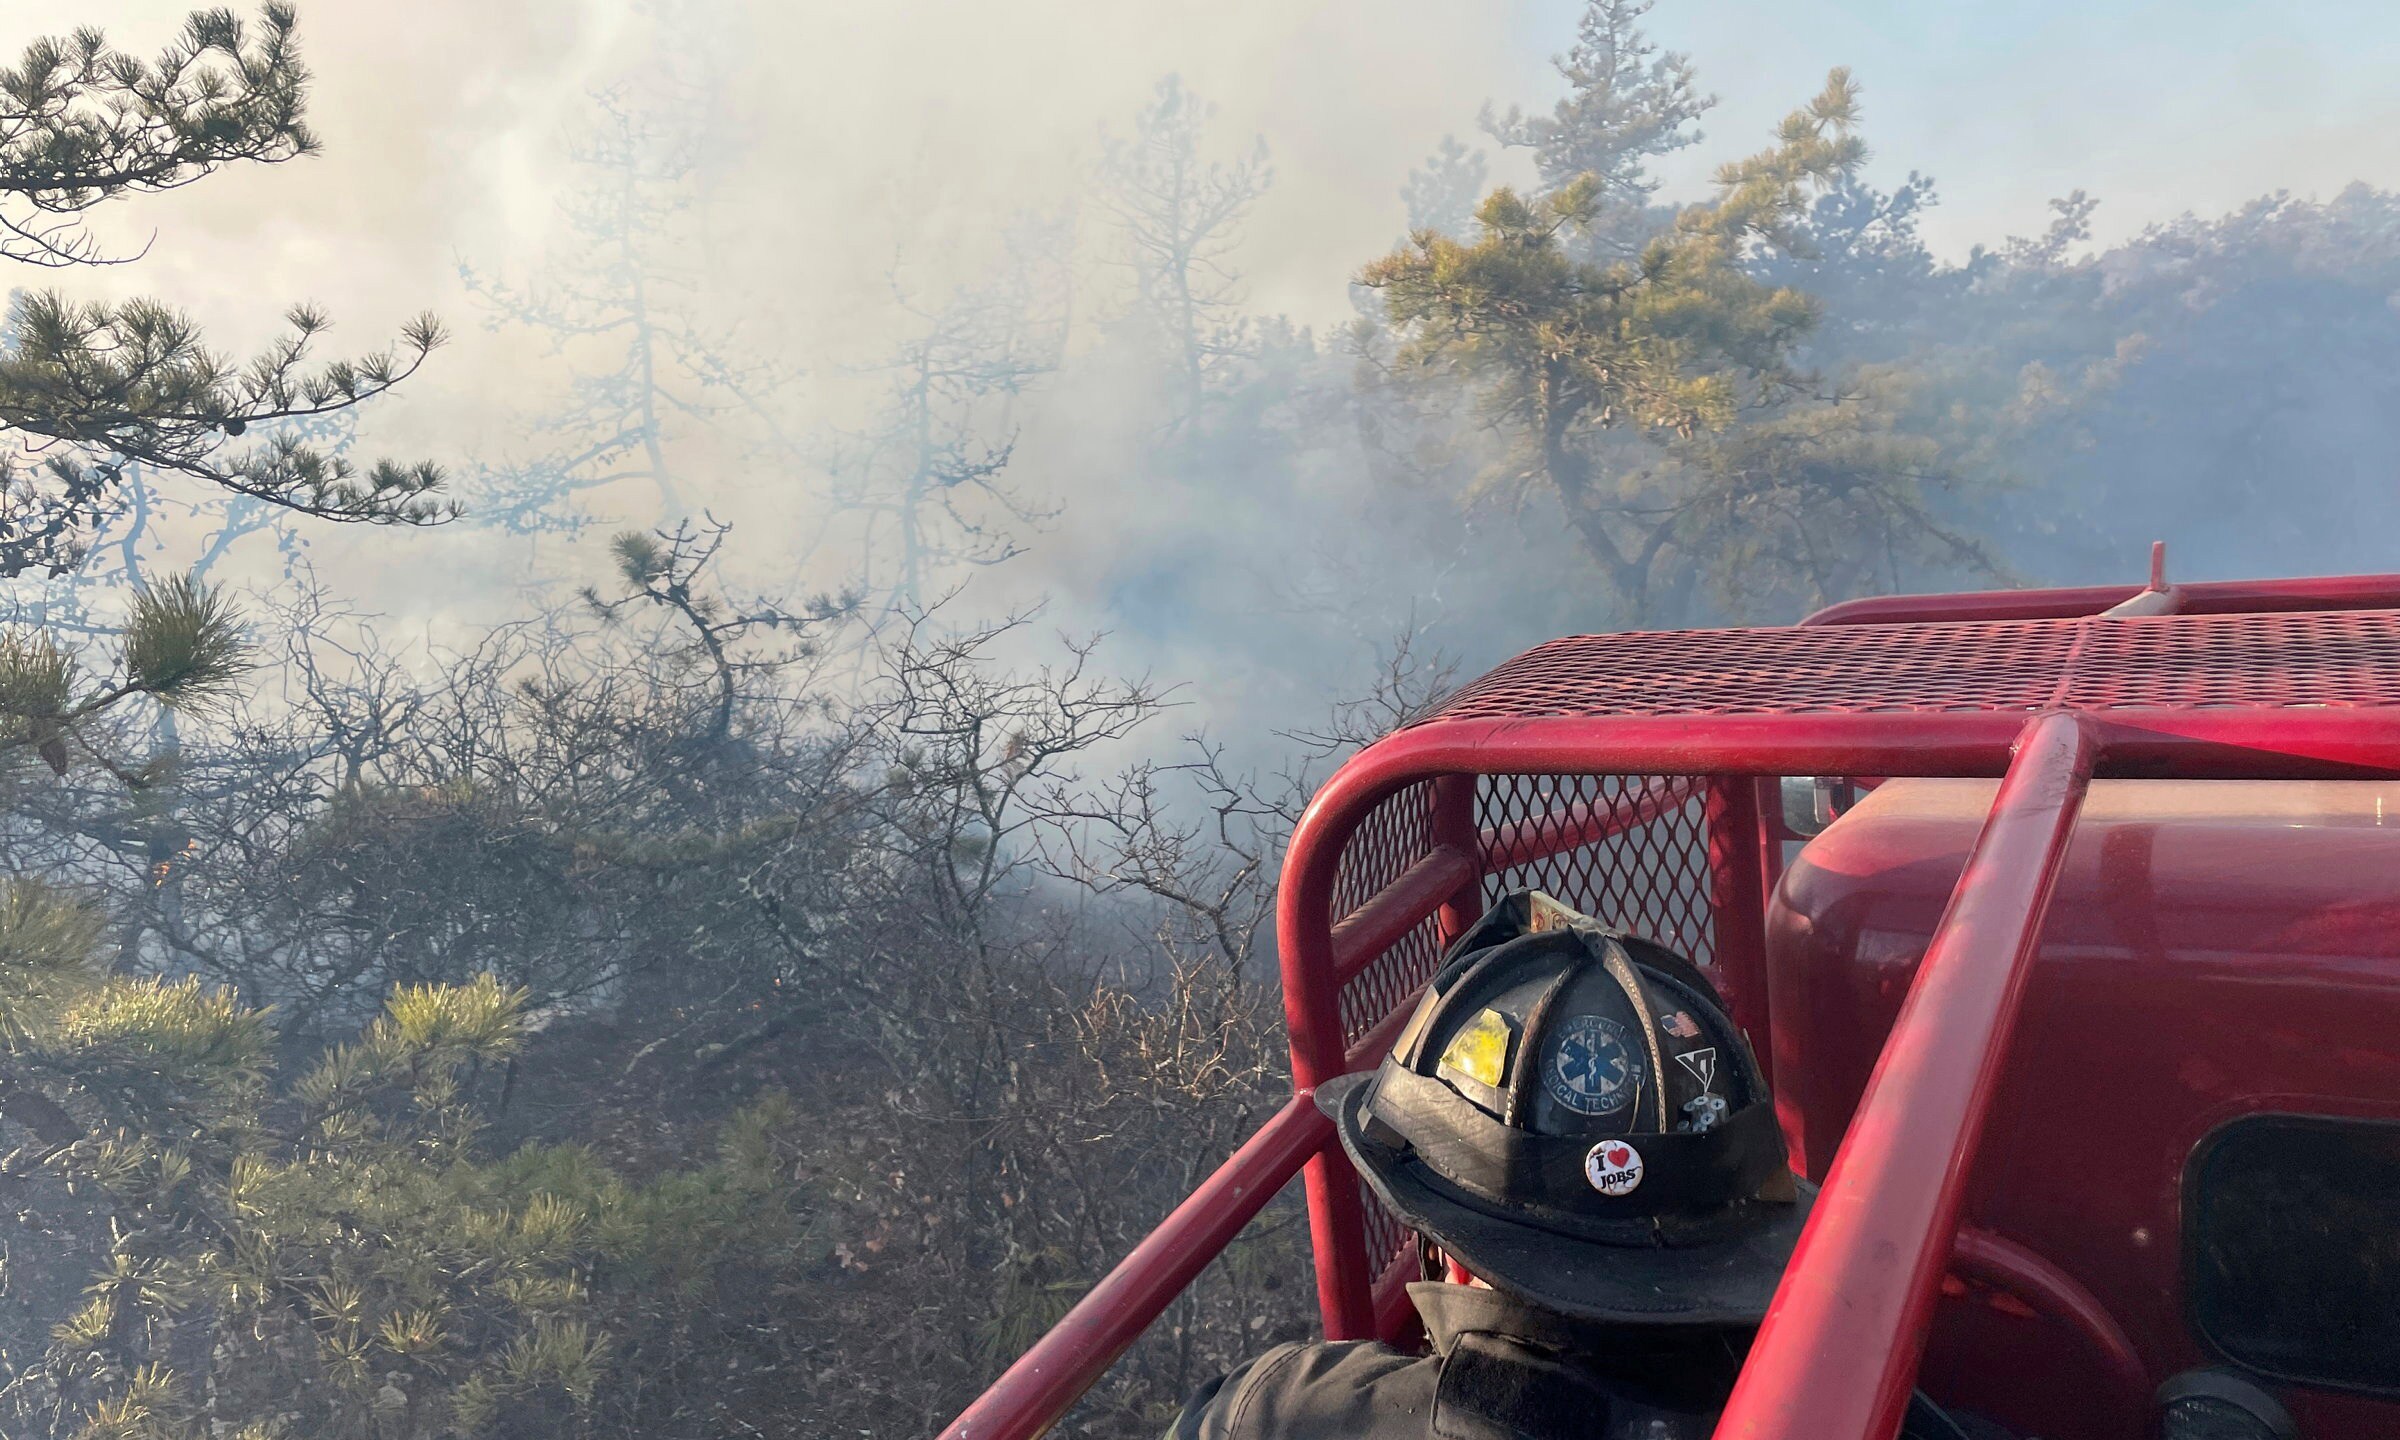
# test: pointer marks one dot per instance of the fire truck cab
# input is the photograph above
(2077, 978)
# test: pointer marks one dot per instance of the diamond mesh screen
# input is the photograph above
(1651, 879)
(1386, 1236)
(1395, 835)
(2343, 658)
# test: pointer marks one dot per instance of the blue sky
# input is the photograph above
(2156, 108)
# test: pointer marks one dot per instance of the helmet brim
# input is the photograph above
(1727, 1282)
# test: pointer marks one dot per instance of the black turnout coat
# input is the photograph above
(1500, 1370)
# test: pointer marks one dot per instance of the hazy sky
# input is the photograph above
(2155, 106)
(868, 130)
(444, 116)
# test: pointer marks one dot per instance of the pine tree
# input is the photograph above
(1627, 104)
(1180, 215)
(928, 482)
(623, 303)
(1658, 397)
(1442, 193)
(89, 389)
(334, 1256)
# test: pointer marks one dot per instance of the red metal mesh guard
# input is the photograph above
(1652, 874)
(2341, 658)
(1386, 1236)
(2335, 658)
(1394, 836)
(1652, 879)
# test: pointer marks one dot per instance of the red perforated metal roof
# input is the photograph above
(2177, 662)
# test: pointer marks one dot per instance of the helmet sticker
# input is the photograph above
(1544, 913)
(1706, 1110)
(1593, 1068)
(1613, 1167)
(1702, 1113)
(1479, 1050)
(1681, 1025)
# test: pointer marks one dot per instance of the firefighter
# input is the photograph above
(1571, 1120)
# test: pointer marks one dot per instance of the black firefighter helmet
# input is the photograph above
(1573, 1117)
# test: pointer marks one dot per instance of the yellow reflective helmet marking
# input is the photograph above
(1479, 1050)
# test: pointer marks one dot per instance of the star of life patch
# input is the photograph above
(1593, 1067)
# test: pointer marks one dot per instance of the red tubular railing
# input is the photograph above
(1356, 1299)
(1826, 1365)
(1452, 825)
(2052, 1292)
(1838, 1353)
(2230, 744)
(1063, 1363)
(1430, 884)
(1735, 866)
(2216, 597)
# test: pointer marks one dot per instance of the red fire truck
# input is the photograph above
(2085, 1014)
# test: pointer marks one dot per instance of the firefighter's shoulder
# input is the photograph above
(1314, 1390)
